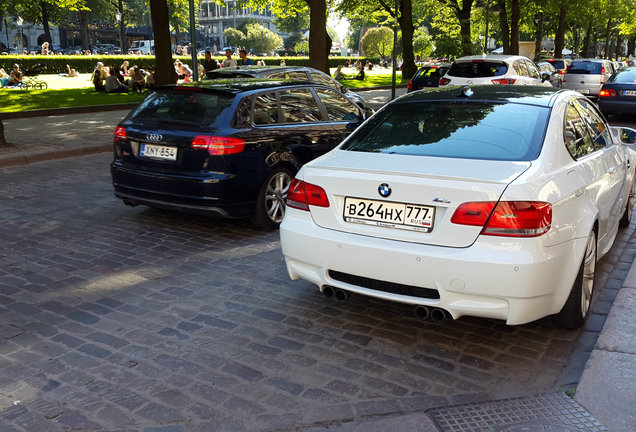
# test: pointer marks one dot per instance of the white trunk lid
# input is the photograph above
(439, 183)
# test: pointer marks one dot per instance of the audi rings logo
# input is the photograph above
(154, 137)
(384, 190)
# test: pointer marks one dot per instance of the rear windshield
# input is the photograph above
(479, 130)
(585, 68)
(196, 108)
(477, 69)
(430, 72)
(625, 76)
(558, 64)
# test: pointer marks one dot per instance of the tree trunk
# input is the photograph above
(514, 27)
(3, 140)
(538, 36)
(405, 19)
(606, 50)
(464, 27)
(586, 41)
(503, 24)
(559, 37)
(631, 45)
(83, 24)
(319, 40)
(45, 22)
(164, 67)
(619, 46)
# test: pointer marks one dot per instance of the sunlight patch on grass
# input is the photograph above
(15, 100)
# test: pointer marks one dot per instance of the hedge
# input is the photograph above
(86, 64)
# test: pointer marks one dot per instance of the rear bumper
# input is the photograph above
(490, 279)
(608, 105)
(206, 193)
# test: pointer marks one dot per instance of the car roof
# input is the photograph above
(235, 86)
(596, 60)
(529, 95)
(256, 69)
(497, 57)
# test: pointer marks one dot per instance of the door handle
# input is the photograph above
(611, 170)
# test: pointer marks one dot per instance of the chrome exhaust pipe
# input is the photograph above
(342, 295)
(438, 315)
(327, 291)
(422, 312)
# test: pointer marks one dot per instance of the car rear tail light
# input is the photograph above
(444, 81)
(607, 93)
(602, 70)
(302, 194)
(562, 72)
(120, 132)
(410, 87)
(506, 218)
(504, 81)
(218, 146)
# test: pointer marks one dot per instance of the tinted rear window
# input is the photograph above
(625, 76)
(558, 64)
(585, 68)
(477, 69)
(478, 130)
(197, 108)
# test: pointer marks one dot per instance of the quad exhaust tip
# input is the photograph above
(432, 314)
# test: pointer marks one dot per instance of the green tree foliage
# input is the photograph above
(302, 47)
(378, 41)
(423, 45)
(234, 37)
(261, 40)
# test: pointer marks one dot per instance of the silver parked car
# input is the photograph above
(587, 76)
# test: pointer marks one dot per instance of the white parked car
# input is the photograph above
(494, 69)
(484, 201)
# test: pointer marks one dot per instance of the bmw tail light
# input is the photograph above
(444, 81)
(302, 194)
(218, 146)
(506, 218)
(607, 93)
(120, 132)
(410, 87)
(504, 81)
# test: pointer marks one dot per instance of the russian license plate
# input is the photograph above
(158, 152)
(583, 91)
(629, 93)
(405, 216)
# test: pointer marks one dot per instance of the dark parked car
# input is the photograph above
(299, 73)
(229, 147)
(427, 76)
(618, 94)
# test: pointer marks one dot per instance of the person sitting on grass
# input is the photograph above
(112, 83)
(72, 73)
(4, 77)
(124, 68)
(339, 75)
(98, 79)
(138, 80)
(360, 75)
(15, 77)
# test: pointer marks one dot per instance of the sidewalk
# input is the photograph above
(606, 391)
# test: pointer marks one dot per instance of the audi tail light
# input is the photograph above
(302, 194)
(218, 146)
(504, 81)
(608, 93)
(120, 132)
(506, 218)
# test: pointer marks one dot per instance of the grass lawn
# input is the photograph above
(72, 92)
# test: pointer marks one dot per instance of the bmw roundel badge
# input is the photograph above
(384, 190)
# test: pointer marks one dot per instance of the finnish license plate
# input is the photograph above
(583, 91)
(158, 152)
(405, 216)
(629, 93)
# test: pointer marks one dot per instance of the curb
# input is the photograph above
(67, 110)
(26, 159)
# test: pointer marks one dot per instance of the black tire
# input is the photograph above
(627, 215)
(577, 306)
(42, 85)
(271, 203)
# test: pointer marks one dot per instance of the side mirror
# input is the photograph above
(343, 89)
(545, 76)
(624, 134)
(368, 112)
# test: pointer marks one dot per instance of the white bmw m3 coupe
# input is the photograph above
(485, 201)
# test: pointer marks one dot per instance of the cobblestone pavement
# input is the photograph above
(115, 318)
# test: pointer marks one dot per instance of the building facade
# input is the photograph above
(214, 19)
